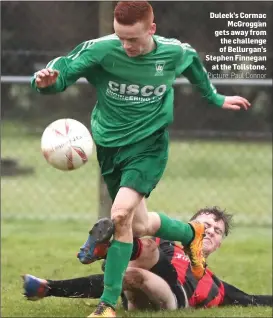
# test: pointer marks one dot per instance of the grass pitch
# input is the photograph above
(46, 216)
(235, 176)
(48, 249)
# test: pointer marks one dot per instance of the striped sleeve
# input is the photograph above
(190, 66)
(75, 64)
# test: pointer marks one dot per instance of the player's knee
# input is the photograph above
(149, 246)
(121, 217)
(133, 279)
(148, 256)
(140, 229)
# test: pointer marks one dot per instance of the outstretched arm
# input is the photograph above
(234, 296)
(63, 71)
(193, 69)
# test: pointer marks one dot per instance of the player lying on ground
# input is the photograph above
(159, 275)
(133, 72)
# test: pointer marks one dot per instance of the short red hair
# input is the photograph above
(131, 12)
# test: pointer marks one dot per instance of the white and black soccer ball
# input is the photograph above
(66, 144)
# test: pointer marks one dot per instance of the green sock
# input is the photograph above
(118, 257)
(174, 230)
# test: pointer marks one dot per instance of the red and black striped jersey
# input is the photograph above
(207, 292)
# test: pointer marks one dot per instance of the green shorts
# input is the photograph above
(138, 166)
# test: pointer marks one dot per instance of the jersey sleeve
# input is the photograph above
(73, 66)
(190, 66)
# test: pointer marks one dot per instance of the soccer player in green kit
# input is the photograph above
(133, 72)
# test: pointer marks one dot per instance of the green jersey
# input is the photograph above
(134, 94)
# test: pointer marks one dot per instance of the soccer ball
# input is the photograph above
(66, 144)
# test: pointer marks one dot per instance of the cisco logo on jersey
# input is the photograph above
(147, 91)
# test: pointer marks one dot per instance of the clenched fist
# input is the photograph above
(46, 77)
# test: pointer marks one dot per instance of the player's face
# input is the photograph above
(136, 39)
(214, 233)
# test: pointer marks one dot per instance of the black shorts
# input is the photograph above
(167, 271)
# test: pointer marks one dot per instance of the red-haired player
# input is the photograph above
(133, 72)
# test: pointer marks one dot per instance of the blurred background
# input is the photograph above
(216, 158)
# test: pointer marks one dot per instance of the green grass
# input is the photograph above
(236, 176)
(48, 250)
(45, 218)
